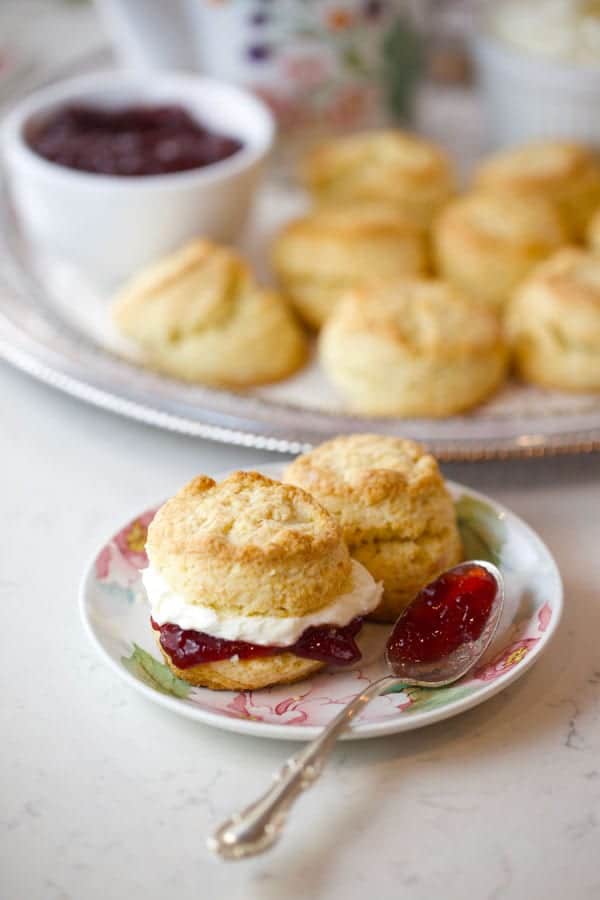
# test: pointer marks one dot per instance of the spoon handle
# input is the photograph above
(259, 826)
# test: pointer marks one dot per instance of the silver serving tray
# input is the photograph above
(54, 326)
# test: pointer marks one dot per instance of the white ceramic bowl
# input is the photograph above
(113, 225)
(527, 97)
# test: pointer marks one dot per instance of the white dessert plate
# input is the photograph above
(116, 618)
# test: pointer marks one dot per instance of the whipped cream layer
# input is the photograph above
(169, 607)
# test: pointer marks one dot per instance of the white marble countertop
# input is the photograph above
(105, 795)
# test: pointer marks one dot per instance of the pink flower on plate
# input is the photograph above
(505, 660)
(544, 616)
(103, 562)
(286, 712)
(131, 541)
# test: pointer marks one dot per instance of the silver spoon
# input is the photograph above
(259, 826)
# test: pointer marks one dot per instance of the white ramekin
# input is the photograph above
(527, 97)
(113, 225)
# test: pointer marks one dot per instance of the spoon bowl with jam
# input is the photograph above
(435, 641)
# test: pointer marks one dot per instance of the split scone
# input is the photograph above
(553, 322)
(199, 316)
(486, 243)
(250, 584)
(412, 348)
(566, 173)
(317, 258)
(396, 513)
(392, 167)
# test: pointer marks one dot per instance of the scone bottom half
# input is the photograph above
(250, 584)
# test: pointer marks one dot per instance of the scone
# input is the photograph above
(317, 258)
(396, 513)
(566, 173)
(199, 316)
(251, 584)
(391, 167)
(553, 322)
(593, 232)
(486, 243)
(412, 348)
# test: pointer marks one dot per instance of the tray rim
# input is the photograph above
(29, 360)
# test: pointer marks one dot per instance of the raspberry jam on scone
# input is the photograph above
(331, 644)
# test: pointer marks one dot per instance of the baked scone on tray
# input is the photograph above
(198, 315)
(320, 256)
(390, 166)
(413, 347)
(486, 243)
(250, 584)
(564, 172)
(395, 511)
(553, 322)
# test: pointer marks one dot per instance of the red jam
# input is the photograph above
(449, 612)
(326, 643)
(135, 140)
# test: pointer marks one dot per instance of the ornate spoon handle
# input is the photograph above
(260, 825)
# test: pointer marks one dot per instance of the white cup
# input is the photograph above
(113, 225)
(527, 97)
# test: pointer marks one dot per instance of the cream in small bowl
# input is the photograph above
(113, 222)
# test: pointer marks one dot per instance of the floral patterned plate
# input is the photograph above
(116, 619)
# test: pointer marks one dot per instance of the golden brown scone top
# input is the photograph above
(349, 243)
(564, 172)
(423, 316)
(572, 275)
(535, 165)
(249, 546)
(368, 465)
(391, 165)
(489, 219)
(359, 156)
(375, 485)
(192, 289)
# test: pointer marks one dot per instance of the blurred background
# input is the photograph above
(333, 65)
(338, 65)
(372, 60)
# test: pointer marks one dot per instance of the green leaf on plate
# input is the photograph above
(427, 698)
(396, 689)
(154, 673)
(483, 533)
